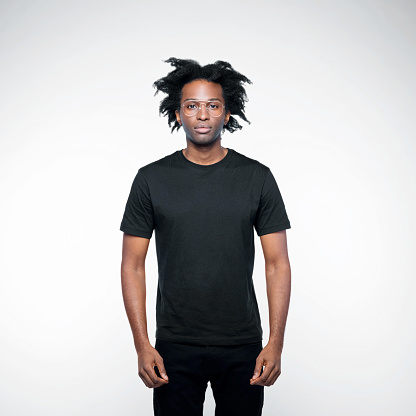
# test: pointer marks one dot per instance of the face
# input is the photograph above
(202, 128)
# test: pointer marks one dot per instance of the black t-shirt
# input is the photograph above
(203, 217)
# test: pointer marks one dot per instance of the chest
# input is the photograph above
(217, 199)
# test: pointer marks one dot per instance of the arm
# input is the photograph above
(133, 286)
(278, 281)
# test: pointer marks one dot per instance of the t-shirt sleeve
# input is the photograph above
(271, 215)
(138, 217)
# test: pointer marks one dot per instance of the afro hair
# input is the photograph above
(187, 70)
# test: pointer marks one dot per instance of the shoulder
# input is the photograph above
(159, 165)
(245, 162)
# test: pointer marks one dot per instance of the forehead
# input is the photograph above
(201, 89)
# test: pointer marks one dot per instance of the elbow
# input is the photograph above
(128, 268)
(274, 266)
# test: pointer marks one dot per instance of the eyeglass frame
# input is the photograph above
(200, 107)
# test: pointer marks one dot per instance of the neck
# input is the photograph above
(204, 155)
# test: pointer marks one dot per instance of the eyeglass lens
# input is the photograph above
(214, 108)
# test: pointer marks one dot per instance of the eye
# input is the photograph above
(191, 106)
(213, 106)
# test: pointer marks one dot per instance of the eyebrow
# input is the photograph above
(196, 99)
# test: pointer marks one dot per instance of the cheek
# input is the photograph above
(187, 126)
(220, 123)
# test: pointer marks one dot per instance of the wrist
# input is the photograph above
(141, 345)
(276, 343)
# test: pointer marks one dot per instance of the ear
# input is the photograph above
(178, 117)
(227, 117)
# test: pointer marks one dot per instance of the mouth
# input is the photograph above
(202, 129)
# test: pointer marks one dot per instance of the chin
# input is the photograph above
(202, 139)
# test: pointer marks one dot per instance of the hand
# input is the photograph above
(148, 357)
(270, 357)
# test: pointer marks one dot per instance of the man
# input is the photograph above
(204, 203)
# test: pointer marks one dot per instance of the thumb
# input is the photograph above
(162, 369)
(257, 368)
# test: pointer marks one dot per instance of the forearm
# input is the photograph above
(133, 285)
(278, 280)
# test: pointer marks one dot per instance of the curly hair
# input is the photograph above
(188, 70)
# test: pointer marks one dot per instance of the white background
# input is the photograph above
(332, 111)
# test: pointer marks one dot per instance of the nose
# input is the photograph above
(203, 113)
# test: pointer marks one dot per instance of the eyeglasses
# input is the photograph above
(192, 108)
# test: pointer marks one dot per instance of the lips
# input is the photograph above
(202, 129)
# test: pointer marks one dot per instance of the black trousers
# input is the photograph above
(190, 367)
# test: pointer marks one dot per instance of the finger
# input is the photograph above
(275, 378)
(269, 380)
(145, 379)
(263, 378)
(149, 375)
(150, 371)
(161, 368)
(257, 369)
(160, 380)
